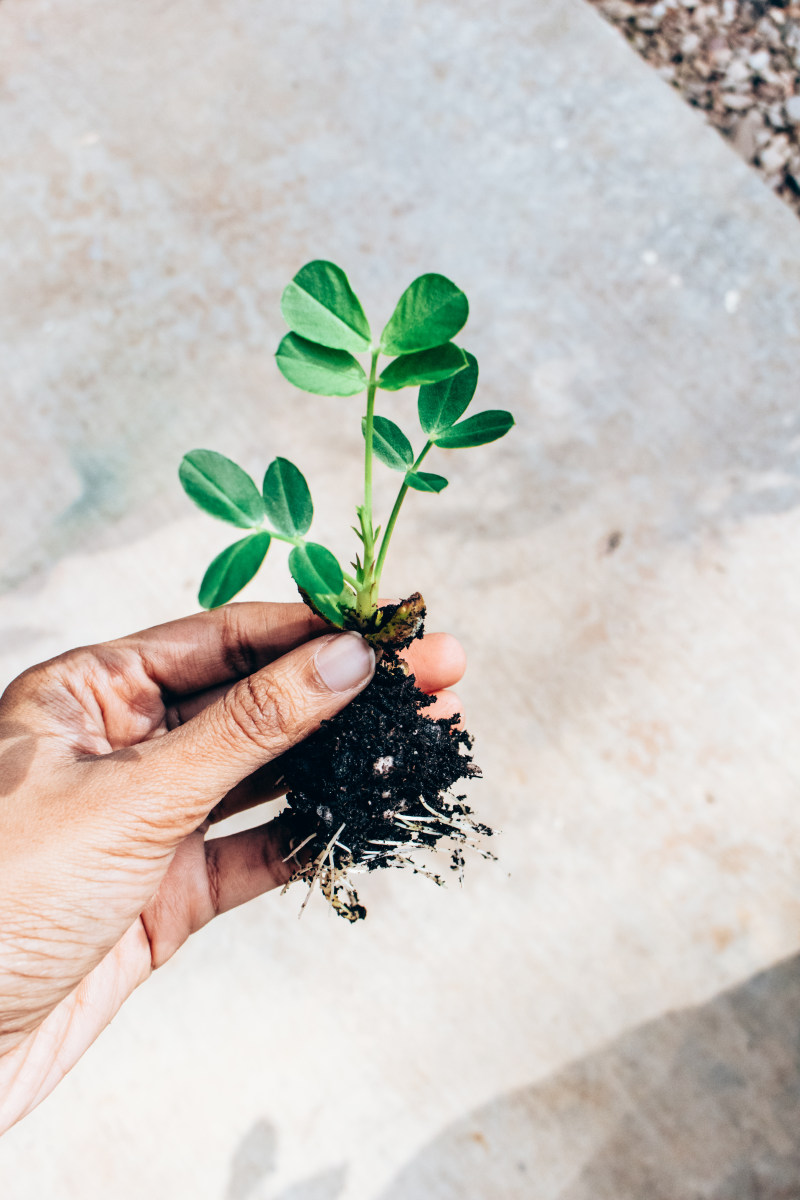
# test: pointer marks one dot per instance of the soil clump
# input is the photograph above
(372, 786)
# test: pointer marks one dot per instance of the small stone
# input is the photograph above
(776, 154)
(737, 72)
(736, 101)
(690, 43)
(759, 61)
(792, 110)
(721, 56)
(768, 94)
(618, 10)
(766, 32)
(746, 134)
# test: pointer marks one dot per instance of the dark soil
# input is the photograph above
(373, 784)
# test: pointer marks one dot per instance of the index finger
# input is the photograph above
(437, 661)
(220, 646)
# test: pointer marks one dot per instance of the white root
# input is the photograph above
(317, 868)
(293, 853)
(311, 887)
(424, 834)
(324, 854)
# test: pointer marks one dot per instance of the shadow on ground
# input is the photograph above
(698, 1105)
(255, 1160)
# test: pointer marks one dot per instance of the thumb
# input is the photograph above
(254, 722)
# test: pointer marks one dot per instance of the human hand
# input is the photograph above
(116, 759)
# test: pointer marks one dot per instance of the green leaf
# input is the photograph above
(287, 498)
(319, 369)
(429, 312)
(425, 366)
(423, 481)
(324, 606)
(316, 571)
(441, 404)
(476, 431)
(320, 305)
(221, 488)
(232, 569)
(390, 444)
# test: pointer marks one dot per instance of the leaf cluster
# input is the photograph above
(282, 509)
(328, 328)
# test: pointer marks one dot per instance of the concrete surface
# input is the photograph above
(635, 291)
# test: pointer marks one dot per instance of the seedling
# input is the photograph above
(372, 785)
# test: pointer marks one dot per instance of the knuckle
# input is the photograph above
(264, 712)
(151, 919)
(238, 654)
(174, 715)
(213, 872)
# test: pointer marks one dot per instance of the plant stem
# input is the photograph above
(367, 590)
(398, 504)
(283, 537)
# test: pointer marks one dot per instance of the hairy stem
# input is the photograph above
(367, 591)
(398, 504)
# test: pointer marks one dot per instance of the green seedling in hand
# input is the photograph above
(373, 785)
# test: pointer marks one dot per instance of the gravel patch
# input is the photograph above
(737, 61)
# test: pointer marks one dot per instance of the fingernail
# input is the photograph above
(345, 661)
